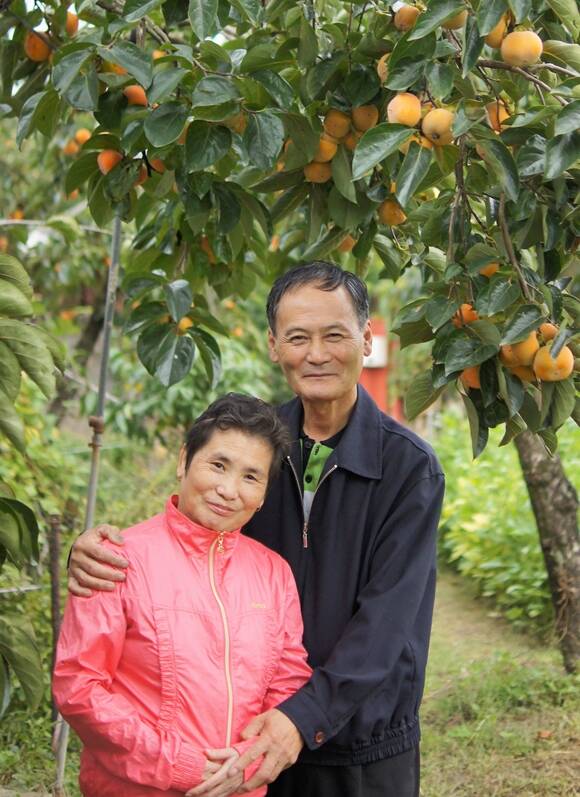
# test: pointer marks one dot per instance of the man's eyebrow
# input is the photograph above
(301, 330)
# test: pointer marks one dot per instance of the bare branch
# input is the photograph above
(519, 71)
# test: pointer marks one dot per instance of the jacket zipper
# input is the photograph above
(219, 544)
(305, 521)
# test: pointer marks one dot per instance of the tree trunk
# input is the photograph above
(555, 505)
(67, 389)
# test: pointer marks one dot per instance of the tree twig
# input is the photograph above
(519, 71)
(41, 223)
(510, 247)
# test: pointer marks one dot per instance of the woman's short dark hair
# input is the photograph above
(249, 415)
(324, 275)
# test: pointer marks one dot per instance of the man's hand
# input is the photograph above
(91, 565)
(216, 780)
(279, 741)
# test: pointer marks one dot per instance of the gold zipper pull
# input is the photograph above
(220, 545)
(305, 534)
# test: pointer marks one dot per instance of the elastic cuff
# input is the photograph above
(188, 769)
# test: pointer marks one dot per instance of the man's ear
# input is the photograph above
(272, 347)
(181, 463)
(367, 338)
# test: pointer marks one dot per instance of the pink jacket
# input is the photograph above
(204, 634)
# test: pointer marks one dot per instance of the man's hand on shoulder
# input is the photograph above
(279, 741)
(91, 565)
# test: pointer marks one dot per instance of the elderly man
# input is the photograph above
(355, 513)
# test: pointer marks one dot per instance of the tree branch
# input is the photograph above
(519, 71)
(510, 247)
(40, 223)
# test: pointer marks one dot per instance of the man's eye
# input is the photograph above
(219, 465)
(297, 339)
(335, 336)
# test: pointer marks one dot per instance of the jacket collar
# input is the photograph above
(196, 540)
(359, 449)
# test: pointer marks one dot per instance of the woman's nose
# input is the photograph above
(227, 489)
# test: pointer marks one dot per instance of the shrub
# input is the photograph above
(488, 531)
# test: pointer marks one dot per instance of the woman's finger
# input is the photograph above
(215, 779)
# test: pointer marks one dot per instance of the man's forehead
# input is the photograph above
(314, 298)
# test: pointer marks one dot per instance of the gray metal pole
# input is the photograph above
(97, 424)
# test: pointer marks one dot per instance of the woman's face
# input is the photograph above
(226, 480)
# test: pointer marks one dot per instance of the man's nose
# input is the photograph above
(317, 351)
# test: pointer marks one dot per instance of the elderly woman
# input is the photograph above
(159, 676)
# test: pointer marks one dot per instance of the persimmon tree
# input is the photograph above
(240, 137)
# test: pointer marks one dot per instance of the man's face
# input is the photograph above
(319, 343)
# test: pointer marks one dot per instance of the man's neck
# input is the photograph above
(324, 419)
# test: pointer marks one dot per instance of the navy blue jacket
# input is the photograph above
(366, 581)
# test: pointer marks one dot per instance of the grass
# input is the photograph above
(500, 717)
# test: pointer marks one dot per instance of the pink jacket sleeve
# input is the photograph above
(89, 649)
(292, 670)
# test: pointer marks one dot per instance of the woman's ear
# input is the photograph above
(181, 463)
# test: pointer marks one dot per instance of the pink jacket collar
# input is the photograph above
(194, 538)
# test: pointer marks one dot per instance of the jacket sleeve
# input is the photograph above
(90, 645)
(395, 602)
(291, 671)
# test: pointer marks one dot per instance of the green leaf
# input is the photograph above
(500, 294)
(229, 209)
(56, 347)
(489, 14)
(438, 11)
(250, 9)
(134, 10)
(10, 533)
(83, 92)
(526, 319)
(258, 211)
(18, 647)
(10, 422)
(80, 171)
(68, 68)
(13, 302)
(5, 689)
(361, 85)
(504, 166)
(179, 298)
(345, 214)
(214, 90)
(205, 144)
(210, 354)
(135, 60)
(421, 395)
(561, 153)
(531, 156)
(514, 426)
(376, 144)
(521, 9)
(304, 138)
(465, 352)
(165, 81)
(263, 138)
(289, 201)
(479, 432)
(440, 79)
(342, 174)
(324, 245)
(277, 87)
(389, 256)
(165, 123)
(166, 355)
(413, 169)
(48, 113)
(279, 181)
(12, 271)
(568, 120)
(568, 13)
(28, 528)
(563, 402)
(203, 17)
(563, 51)
(307, 44)
(31, 352)
(9, 372)
(319, 75)
(473, 45)
(26, 120)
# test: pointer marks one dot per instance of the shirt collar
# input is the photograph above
(359, 449)
(195, 539)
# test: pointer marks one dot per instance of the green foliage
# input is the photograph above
(235, 118)
(488, 532)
